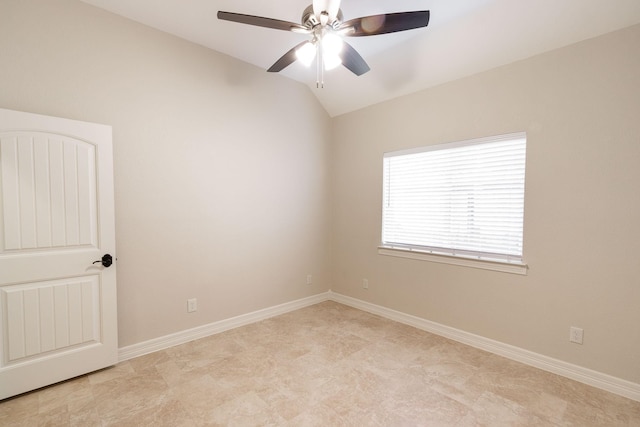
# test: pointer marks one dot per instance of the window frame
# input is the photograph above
(482, 260)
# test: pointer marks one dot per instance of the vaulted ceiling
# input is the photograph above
(464, 37)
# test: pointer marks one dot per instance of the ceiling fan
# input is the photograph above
(323, 21)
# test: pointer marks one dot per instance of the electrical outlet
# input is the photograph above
(309, 279)
(365, 283)
(575, 335)
(192, 305)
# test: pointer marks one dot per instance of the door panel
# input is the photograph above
(72, 304)
(49, 191)
(57, 308)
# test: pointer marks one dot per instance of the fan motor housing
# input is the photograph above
(310, 20)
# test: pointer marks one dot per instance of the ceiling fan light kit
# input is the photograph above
(323, 20)
(306, 53)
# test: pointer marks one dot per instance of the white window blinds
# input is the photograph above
(462, 199)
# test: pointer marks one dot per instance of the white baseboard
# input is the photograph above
(587, 376)
(161, 343)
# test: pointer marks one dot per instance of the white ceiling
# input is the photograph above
(464, 37)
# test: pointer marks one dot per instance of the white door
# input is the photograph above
(57, 308)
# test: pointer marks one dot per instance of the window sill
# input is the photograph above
(505, 267)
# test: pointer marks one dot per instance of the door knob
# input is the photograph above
(106, 260)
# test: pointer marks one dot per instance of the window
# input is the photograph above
(463, 200)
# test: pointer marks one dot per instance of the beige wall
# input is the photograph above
(580, 107)
(218, 194)
(188, 122)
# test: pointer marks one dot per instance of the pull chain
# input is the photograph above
(319, 67)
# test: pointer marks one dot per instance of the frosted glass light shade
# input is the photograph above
(331, 61)
(331, 44)
(306, 53)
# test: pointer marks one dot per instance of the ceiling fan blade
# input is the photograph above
(332, 7)
(352, 60)
(318, 7)
(386, 23)
(260, 21)
(286, 59)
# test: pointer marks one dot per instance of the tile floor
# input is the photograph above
(324, 365)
